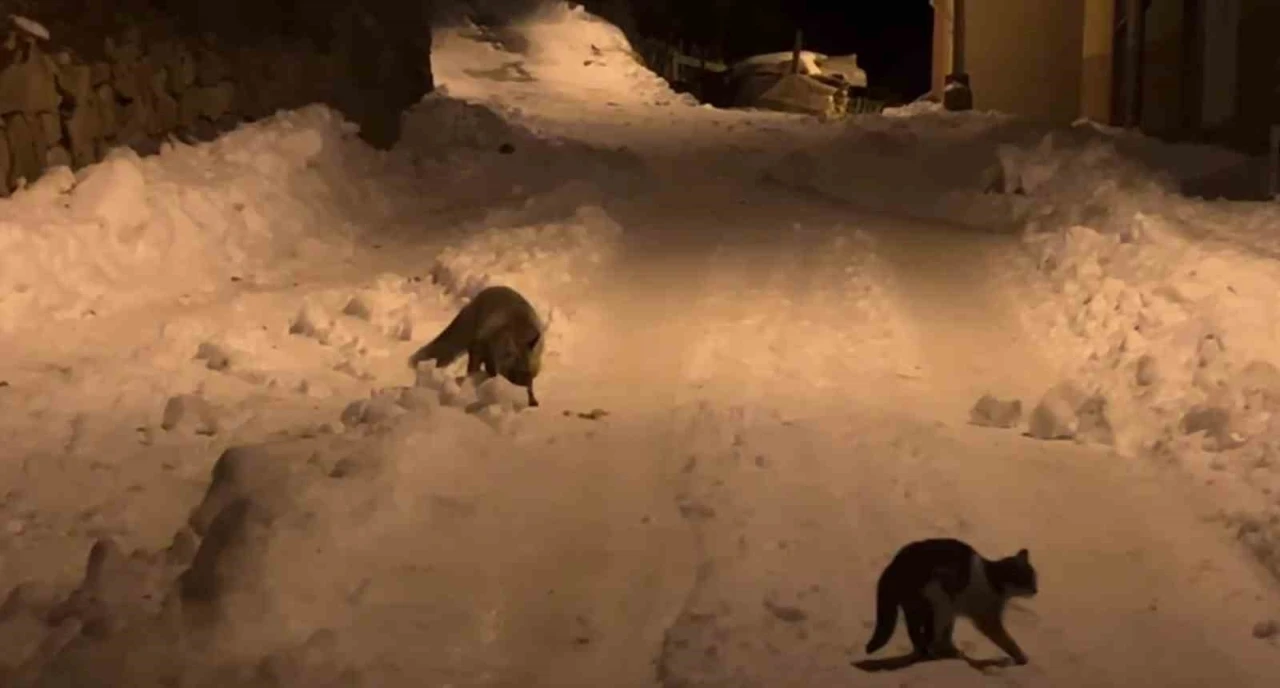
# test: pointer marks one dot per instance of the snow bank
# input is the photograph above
(546, 248)
(441, 519)
(571, 47)
(132, 230)
(1144, 274)
(364, 332)
(1169, 305)
(1163, 306)
(294, 190)
(913, 109)
(973, 167)
(473, 151)
(927, 163)
(556, 57)
(543, 257)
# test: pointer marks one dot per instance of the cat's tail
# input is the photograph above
(886, 615)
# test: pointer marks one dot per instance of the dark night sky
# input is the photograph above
(891, 37)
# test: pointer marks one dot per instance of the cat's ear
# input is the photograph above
(1024, 555)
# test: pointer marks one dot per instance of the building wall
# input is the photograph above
(1025, 57)
(1258, 92)
(1210, 68)
(132, 72)
(942, 27)
(1097, 60)
(1221, 51)
(1162, 69)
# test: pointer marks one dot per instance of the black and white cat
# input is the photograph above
(936, 580)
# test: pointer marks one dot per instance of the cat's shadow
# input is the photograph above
(901, 662)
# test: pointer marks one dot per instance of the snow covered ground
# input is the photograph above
(766, 335)
(1158, 308)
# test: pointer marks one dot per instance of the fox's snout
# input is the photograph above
(522, 378)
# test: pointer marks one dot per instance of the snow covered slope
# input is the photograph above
(185, 222)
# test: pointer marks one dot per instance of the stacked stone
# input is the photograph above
(146, 77)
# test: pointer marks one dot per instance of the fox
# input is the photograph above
(499, 331)
(936, 580)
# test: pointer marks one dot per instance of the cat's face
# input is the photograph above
(1017, 575)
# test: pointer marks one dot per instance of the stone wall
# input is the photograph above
(132, 72)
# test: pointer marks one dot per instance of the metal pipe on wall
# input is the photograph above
(956, 92)
(1135, 20)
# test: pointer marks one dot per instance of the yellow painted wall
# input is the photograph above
(942, 23)
(1024, 57)
(1097, 60)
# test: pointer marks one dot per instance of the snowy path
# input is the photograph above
(807, 461)
(950, 285)
(759, 399)
(786, 384)
(970, 338)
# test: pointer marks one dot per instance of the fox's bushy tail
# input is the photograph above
(886, 616)
(448, 345)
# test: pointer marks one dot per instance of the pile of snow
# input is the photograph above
(476, 151)
(418, 462)
(558, 58)
(438, 519)
(1158, 292)
(1169, 305)
(973, 167)
(295, 190)
(774, 62)
(553, 253)
(810, 63)
(914, 109)
(571, 49)
(342, 339)
(129, 230)
(1162, 307)
(1166, 305)
(931, 164)
(338, 342)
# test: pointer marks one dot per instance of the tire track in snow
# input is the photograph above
(704, 315)
(805, 471)
(784, 313)
(966, 327)
(949, 284)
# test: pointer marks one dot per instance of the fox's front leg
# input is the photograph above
(488, 363)
(475, 359)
